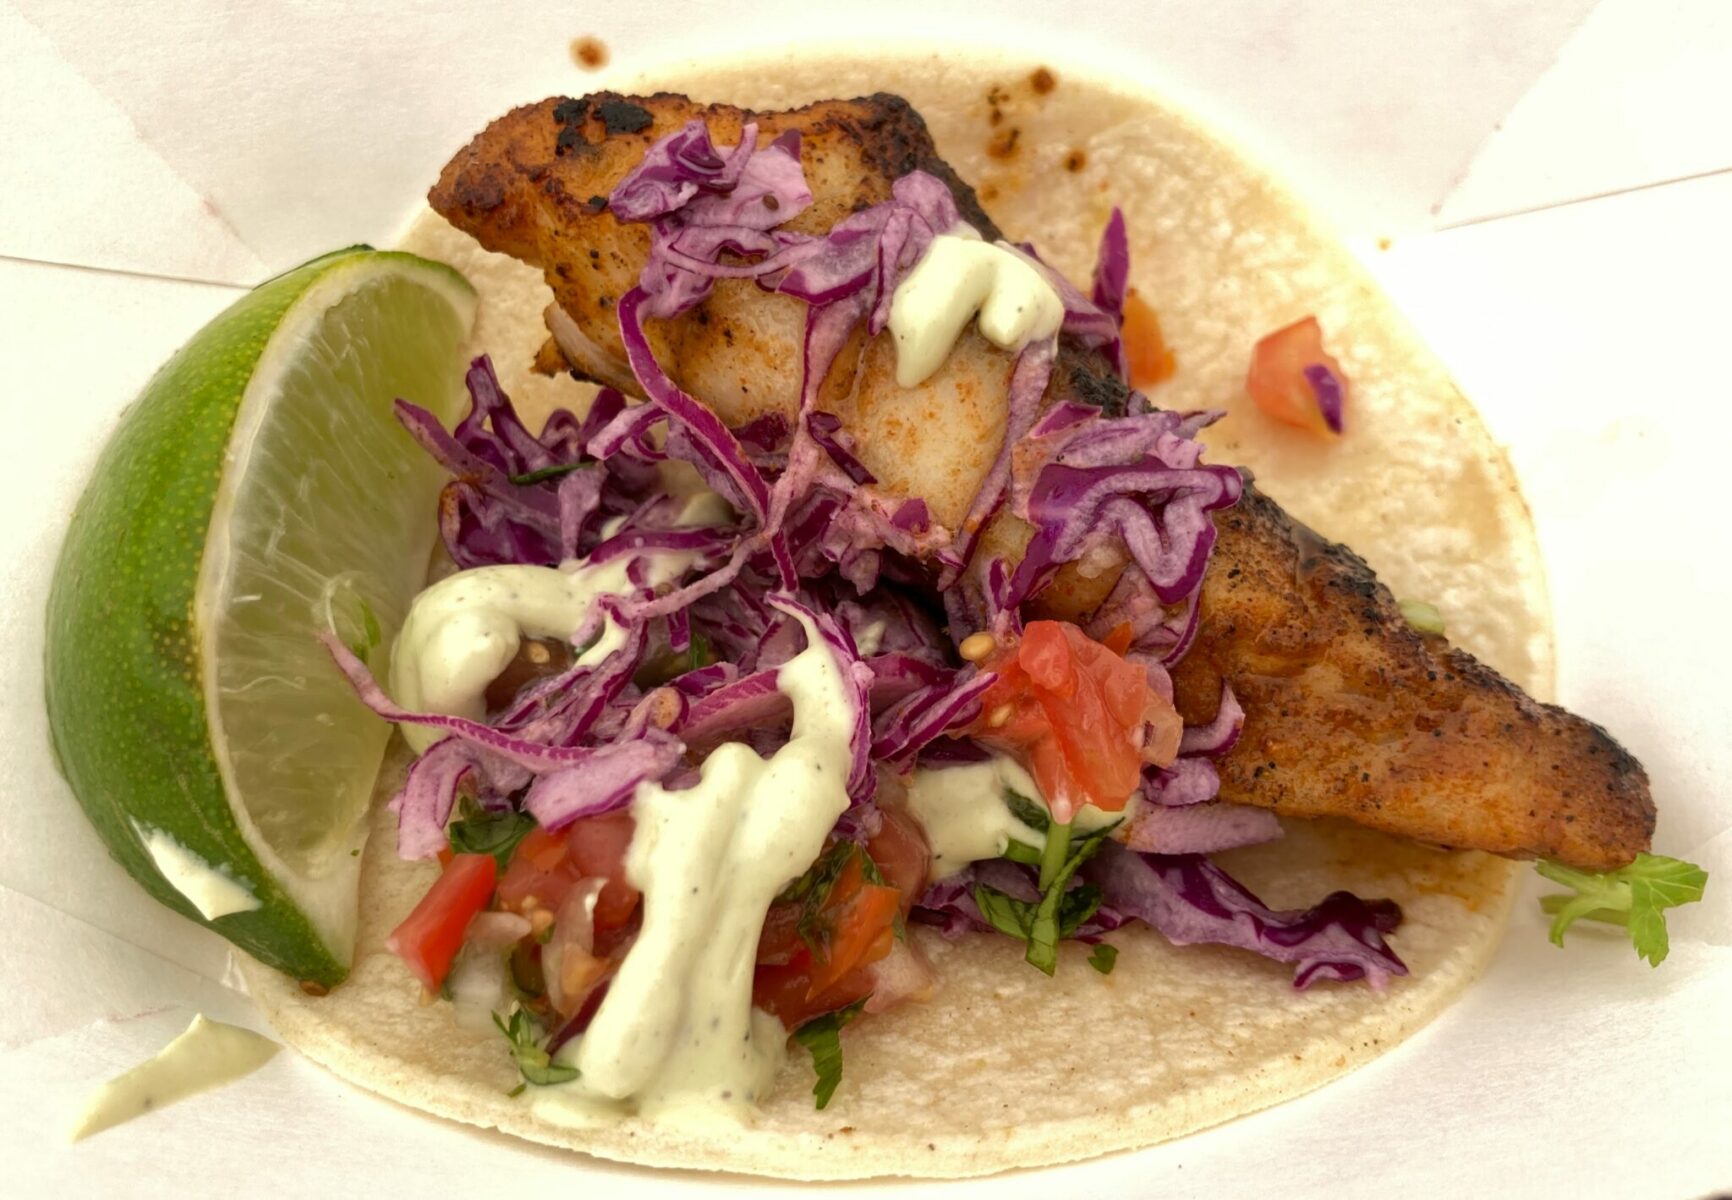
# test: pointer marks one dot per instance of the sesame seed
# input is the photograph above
(977, 646)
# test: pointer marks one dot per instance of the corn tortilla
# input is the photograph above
(1177, 1038)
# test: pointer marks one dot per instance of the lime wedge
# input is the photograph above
(258, 493)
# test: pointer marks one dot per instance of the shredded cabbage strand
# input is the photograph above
(811, 536)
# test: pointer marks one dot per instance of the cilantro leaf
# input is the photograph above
(478, 831)
(533, 1061)
(1054, 855)
(363, 641)
(1078, 905)
(1104, 957)
(1026, 810)
(1005, 913)
(1061, 910)
(823, 1037)
(1635, 897)
(698, 654)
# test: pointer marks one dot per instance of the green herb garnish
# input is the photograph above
(533, 1061)
(478, 831)
(1054, 855)
(1104, 957)
(1635, 897)
(364, 641)
(1061, 910)
(1026, 810)
(1004, 912)
(669, 666)
(545, 473)
(698, 654)
(823, 1037)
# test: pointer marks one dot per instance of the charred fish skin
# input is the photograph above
(1351, 713)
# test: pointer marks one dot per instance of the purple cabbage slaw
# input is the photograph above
(811, 537)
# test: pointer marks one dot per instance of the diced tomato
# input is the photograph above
(1297, 382)
(596, 846)
(779, 942)
(1080, 716)
(1147, 354)
(901, 854)
(854, 927)
(429, 938)
(545, 866)
(786, 992)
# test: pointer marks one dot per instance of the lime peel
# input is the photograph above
(188, 696)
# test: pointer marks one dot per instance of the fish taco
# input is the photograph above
(966, 634)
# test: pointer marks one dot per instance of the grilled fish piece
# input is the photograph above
(1349, 711)
(534, 186)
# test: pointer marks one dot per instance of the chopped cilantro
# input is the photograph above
(1061, 910)
(1635, 897)
(1103, 957)
(363, 641)
(1053, 855)
(823, 1037)
(533, 1061)
(370, 626)
(478, 831)
(1005, 913)
(546, 473)
(1026, 810)
(668, 666)
(698, 653)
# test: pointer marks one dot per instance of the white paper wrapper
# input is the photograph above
(151, 147)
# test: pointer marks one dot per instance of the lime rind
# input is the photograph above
(130, 617)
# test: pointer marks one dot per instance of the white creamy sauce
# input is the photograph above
(962, 275)
(207, 1055)
(214, 891)
(870, 637)
(966, 819)
(464, 630)
(677, 1038)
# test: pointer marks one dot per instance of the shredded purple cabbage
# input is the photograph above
(1331, 396)
(1202, 828)
(1112, 283)
(813, 539)
(1191, 900)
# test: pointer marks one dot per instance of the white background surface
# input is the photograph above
(198, 143)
